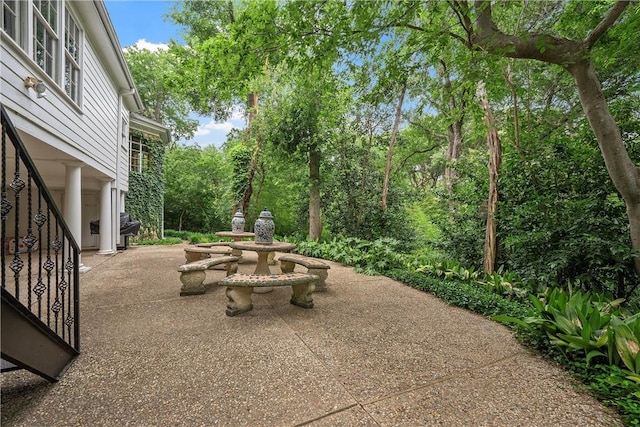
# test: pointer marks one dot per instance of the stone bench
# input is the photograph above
(211, 244)
(192, 275)
(313, 265)
(240, 287)
(195, 253)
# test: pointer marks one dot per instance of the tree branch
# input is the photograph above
(542, 47)
(428, 131)
(606, 23)
(406, 159)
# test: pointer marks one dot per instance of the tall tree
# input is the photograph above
(573, 35)
(301, 109)
(155, 74)
(229, 46)
(495, 159)
(575, 57)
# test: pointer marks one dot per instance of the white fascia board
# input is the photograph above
(99, 29)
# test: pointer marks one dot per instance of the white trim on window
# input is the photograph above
(139, 155)
(45, 37)
(72, 50)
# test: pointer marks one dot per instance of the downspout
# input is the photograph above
(119, 194)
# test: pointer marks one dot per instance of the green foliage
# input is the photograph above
(369, 257)
(197, 194)
(610, 385)
(589, 325)
(241, 157)
(463, 294)
(154, 74)
(570, 224)
(145, 198)
(160, 242)
(191, 237)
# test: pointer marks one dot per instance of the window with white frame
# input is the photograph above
(45, 38)
(72, 57)
(49, 33)
(11, 18)
(139, 155)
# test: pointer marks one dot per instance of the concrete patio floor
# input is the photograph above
(372, 352)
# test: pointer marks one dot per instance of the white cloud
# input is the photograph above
(237, 113)
(153, 47)
(212, 126)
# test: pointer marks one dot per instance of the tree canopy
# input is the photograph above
(324, 82)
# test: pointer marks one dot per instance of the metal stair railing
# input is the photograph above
(40, 257)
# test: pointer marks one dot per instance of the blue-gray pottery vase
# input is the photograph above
(264, 228)
(237, 222)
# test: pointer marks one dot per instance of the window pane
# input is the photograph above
(72, 38)
(49, 11)
(72, 57)
(10, 18)
(44, 42)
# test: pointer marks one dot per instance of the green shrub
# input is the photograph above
(165, 241)
(463, 294)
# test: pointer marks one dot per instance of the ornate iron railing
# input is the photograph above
(40, 257)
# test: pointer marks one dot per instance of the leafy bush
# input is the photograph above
(463, 294)
(192, 237)
(165, 241)
(368, 257)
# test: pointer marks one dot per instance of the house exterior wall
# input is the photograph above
(58, 131)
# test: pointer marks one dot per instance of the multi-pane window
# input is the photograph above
(51, 36)
(10, 18)
(45, 19)
(72, 57)
(140, 155)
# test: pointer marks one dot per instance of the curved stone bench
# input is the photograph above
(195, 253)
(211, 244)
(192, 275)
(240, 287)
(313, 265)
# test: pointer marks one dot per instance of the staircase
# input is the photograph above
(40, 269)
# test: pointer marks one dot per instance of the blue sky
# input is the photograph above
(142, 23)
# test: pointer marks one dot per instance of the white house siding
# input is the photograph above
(55, 129)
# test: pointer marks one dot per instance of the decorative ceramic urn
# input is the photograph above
(237, 222)
(264, 228)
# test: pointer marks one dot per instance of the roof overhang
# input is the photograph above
(103, 37)
(147, 125)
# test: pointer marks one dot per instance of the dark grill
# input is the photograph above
(128, 227)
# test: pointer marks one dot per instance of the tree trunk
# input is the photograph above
(622, 171)
(252, 103)
(495, 158)
(315, 225)
(573, 56)
(392, 143)
(454, 132)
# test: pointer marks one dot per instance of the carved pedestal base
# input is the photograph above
(239, 300)
(192, 282)
(322, 273)
(303, 295)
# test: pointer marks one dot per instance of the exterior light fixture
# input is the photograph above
(37, 85)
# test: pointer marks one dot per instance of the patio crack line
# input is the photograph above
(337, 380)
(442, 379)
(337, 411)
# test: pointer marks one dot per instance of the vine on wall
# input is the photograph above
(145, 199)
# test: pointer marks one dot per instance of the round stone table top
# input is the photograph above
(249, 245)
(232, 234)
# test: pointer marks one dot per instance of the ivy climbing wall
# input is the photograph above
(145, 199)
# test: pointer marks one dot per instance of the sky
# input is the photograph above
(142, 23)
